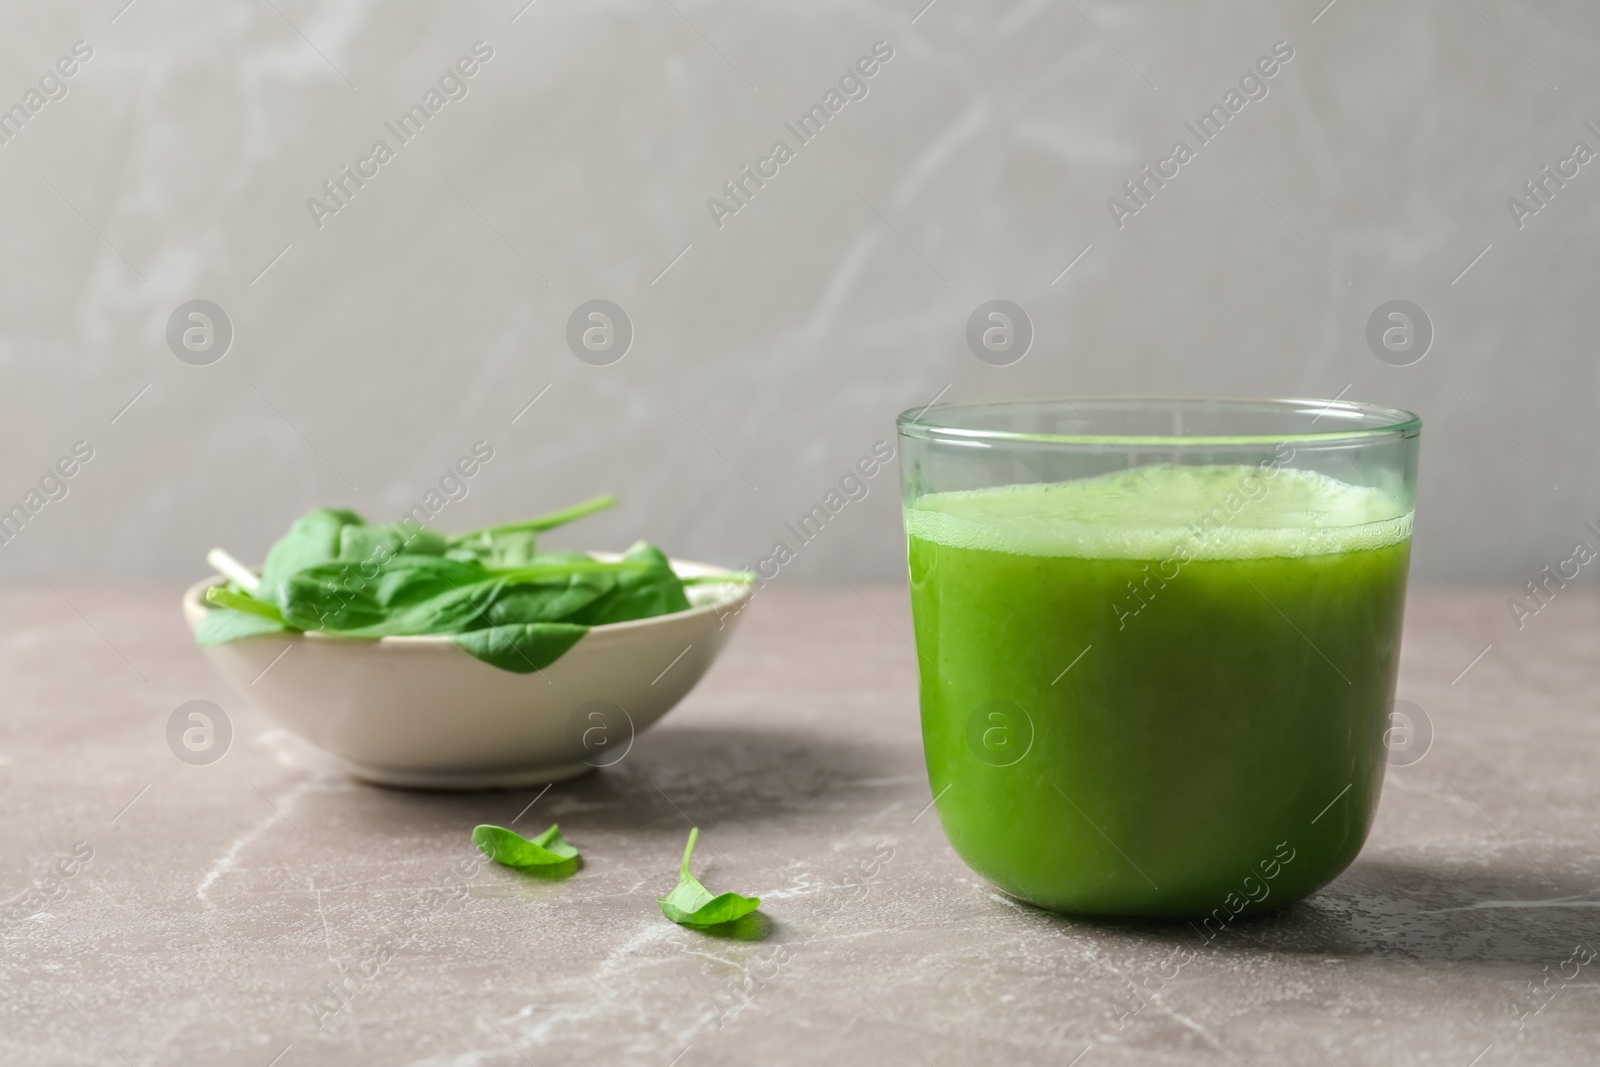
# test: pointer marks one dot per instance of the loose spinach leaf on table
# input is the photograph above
(691, 904)
(511, 849)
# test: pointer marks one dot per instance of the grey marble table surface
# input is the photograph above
(268, 910)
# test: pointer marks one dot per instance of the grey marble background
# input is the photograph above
(772, 351)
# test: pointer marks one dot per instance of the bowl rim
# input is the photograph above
(194, 609)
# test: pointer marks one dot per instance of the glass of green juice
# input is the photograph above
(1157, 641)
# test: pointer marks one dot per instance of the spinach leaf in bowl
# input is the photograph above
(490, 591)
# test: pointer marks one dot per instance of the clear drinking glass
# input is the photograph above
(1157, 641)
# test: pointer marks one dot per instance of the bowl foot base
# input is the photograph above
(502, 778)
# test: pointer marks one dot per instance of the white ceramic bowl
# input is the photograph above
(420, 712)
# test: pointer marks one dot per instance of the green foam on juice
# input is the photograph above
(1218, 512)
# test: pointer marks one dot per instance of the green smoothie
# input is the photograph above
(1162, 691)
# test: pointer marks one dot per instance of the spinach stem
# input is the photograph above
(227, 598)
(232, 569)
(543, 522)
(694, 832)
(558, 570)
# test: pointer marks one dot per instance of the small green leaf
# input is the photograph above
(221, 625)
(384, 540)
(511, 849)
(231, 615)
(552, 600)
(313, 539)
(516, 549)
(520, 647)
(422, 594)
(651, 589)
(411, 594)
(692, 905)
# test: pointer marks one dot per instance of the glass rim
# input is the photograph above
(1382, 421)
